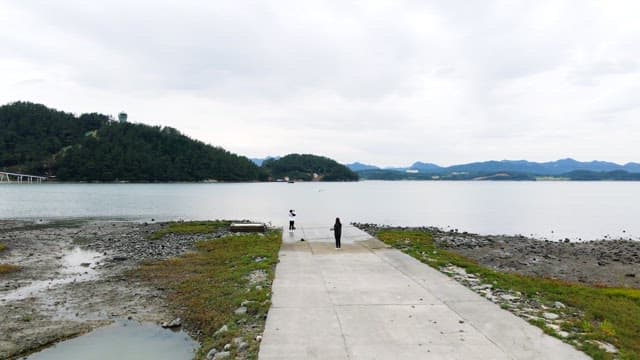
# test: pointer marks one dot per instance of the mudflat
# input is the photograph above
(75, 275)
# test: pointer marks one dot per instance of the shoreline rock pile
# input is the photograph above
(612, 262)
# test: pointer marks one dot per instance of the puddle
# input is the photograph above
(76, 265)
(123, 340)
(74, 261)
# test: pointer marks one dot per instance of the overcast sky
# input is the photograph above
(381, 82)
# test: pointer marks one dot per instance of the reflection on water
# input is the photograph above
(80, 261)
(123, 340)
(76, 265)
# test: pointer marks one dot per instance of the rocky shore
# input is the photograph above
(74, 276)
(600, 262)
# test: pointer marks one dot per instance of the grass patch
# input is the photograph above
(8, 268)
(208, 285)
(594, 313)
(190, 228)
(3, 247)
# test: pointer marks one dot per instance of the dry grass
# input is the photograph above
(8, 268)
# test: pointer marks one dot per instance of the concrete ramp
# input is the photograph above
(369, 301)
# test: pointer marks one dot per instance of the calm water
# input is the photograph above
(123, 340)
(584, 210)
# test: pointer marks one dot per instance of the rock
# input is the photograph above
(259, 338)
(605, 346)
(241, 310)
(222, 355)
(554, 327)
(211, 353)
(481, 287)
(630, 275)
(177, 322)
(550, 316)
(559, 305)
(227, 347)
(246, 302)
(563, 334)
(452, 269)
(223, 329)
(508, 297)
(85, 264)
(119, 258)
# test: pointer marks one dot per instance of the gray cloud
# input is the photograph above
(387, 82)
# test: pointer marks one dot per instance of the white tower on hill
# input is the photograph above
(122, 117)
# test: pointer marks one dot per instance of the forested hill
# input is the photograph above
(37, 140)
(308, 168)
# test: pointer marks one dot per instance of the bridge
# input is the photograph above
(6, 177)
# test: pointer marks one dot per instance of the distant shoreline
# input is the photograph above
(324, 182)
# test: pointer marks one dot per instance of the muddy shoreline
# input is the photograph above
(613, 263)
(75, 276)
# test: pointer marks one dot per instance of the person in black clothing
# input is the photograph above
(337, 232)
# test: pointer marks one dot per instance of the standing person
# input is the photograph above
(292, 219)
(337, 232)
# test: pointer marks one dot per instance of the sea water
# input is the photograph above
(554, 210)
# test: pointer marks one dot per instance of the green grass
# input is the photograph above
(189, 227)
(594, 313)
(8, 268)
(207, 285)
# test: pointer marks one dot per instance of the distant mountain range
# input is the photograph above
(356, 166)
(511, 166)
(259, 161)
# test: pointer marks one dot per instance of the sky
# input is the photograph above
(380, 82)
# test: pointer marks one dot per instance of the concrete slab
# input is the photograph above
(367, 301)
(514, 335)
(302, 333)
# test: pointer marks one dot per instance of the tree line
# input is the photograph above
(37, 140)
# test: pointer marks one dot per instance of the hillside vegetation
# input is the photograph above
(35, 139)
(38, 140)
(32, 134)
(303, 167)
